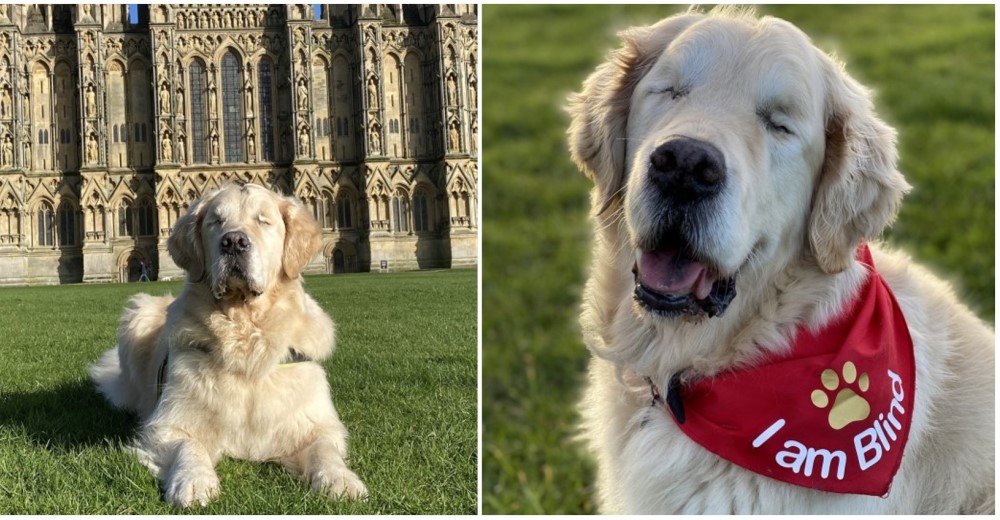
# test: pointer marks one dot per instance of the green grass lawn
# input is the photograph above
(933, 70)
(403, 380)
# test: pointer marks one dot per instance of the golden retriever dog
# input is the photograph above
(739, 174)
(232, 366)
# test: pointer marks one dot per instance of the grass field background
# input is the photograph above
(932, 68)
(403, 379)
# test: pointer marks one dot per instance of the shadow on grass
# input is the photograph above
(70, 416)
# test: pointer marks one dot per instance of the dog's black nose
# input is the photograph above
(235, 243)
(687, 170)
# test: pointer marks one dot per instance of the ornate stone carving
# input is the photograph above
(372, 92)
(91, 148)
(8, 152)
(164, 99)
(5, 103)
(303, 140)
(453, 136)
(302, 94)
(168, 151)
(375, 140)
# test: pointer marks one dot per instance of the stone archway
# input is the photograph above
(341, 257)
(130, 266)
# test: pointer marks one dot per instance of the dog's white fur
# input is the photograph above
(226, 392)
(793, 209)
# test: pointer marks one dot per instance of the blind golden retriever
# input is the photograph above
(740, 178)
(232, 366)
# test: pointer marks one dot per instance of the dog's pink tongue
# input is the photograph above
(666, 273)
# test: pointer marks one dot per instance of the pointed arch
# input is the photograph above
(197, 85)
(45, 224)
(232, 107)
(266, 100)
(68, 230)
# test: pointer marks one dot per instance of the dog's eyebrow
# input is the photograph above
(781, 104)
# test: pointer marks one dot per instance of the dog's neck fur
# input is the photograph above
(763, 318)
(242, 328)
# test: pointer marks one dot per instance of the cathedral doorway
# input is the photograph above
(131, 268)
(338, 262)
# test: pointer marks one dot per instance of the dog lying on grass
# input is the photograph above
(231, 367)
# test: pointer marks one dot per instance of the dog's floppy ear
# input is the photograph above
(184, 244)
(859, 189)
(303, 237)
(599, 113)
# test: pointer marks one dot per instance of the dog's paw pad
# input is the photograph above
(196, 489)
(340, 483)
(848, 406)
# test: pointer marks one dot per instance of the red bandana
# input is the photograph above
(833, 414)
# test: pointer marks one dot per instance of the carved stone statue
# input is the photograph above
(376, 142)
(473, 94)
(303, 141)
(372, 93)
(303, 95)
(168, 151)
(215, 145)
(180, 101)
(211, 99)
(475, 136)
(8, 151)
(91, 101)
(164, 99)
(451, 90)
(91, 149)
(453, 136)
(251, 147)
(5, 101)
(181, 147)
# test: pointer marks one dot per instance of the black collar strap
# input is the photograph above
(673, 401)
(294, 357)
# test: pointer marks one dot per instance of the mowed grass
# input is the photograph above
(403, 379)
(932, 68)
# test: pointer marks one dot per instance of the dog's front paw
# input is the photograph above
(339, 483)
(186, 489)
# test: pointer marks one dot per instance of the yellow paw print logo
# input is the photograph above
(848, 406)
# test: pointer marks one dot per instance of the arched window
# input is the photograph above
(198, 116)
(125, 223)
(67, 224)
(232, 107)
(266, 110)
(344, 212)
(329, 211)
(400, 208)
(46, 221)
(147, 218)
(317, 207)
(420, 222)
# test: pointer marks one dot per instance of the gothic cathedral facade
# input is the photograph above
(109, 129)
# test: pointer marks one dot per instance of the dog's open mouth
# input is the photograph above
(670, 281)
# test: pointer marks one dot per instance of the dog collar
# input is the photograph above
(832, 414)
(294, 357)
